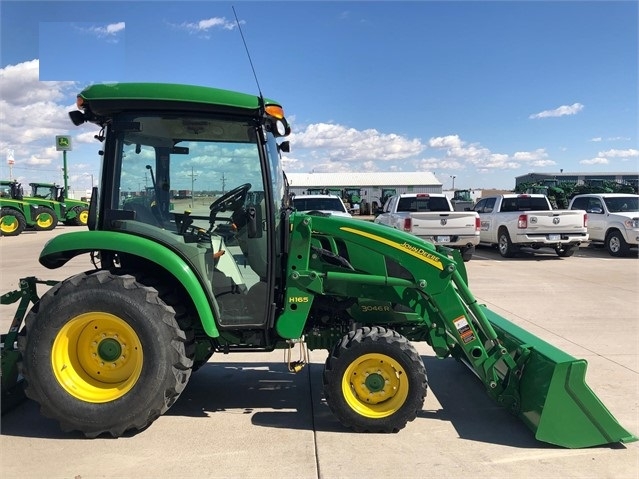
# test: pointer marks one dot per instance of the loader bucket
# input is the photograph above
(555, 401)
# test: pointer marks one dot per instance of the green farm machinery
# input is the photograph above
(111, 349)
(75, 212)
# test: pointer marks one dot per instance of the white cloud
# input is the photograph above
(537, 155)
(595, 161)
(563, 110)
(343, 144)
(630, 153)
(596, 139)
(110, 32)
(208, 24)
(30, 112)
(450, 141)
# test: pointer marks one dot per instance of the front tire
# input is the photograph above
(374, 381)
(616, 244)
(103, 353)
(46, 219)
(12, 222)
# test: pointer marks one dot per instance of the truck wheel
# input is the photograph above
(467, 253)
(46, 219)
(374, 380)
(616, 244)
(81, 216)
(102, 353)
(566, 251)
(12, 222)
(506, 248)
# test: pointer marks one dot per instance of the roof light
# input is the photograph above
(275, 111)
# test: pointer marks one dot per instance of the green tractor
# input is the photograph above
(46, 212)
(76, 212)
(112, 349)
(16, 216)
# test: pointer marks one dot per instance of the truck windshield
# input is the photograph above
(619, 204)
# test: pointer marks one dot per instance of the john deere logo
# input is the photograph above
(63, 143)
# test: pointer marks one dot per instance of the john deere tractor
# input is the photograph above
(43, 214)
(15, 216)
(76, 212)
(111, 349)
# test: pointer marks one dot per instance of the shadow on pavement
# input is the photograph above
(275, 398)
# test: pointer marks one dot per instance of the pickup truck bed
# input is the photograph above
(514, 221)
(431, 217)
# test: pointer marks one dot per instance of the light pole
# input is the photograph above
(453, 177)
(91, 175)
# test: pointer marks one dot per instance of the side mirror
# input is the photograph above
(285, 147)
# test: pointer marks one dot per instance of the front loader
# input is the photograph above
(111, 349)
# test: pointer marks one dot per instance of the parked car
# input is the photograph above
(329, 204)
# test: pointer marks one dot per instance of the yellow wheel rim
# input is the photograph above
(8, 224)
(44, 220)
(375, 385)
(83, 217)
(97, 357)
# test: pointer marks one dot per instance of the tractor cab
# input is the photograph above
(227, 230)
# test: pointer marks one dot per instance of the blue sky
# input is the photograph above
(482, 91)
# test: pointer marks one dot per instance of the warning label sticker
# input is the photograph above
(463, 328)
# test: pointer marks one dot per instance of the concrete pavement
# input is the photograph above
(245, 415)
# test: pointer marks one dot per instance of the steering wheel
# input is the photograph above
(231, 200)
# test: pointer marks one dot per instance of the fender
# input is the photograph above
(59, 250)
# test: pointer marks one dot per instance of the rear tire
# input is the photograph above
(374, 381)
(102, 353)
(506, 248)
(12, 222)
(46, 219)
(616, 244)
(467, 253)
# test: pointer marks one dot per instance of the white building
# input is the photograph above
(372, 185)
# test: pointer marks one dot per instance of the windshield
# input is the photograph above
(185, 163)
(320, 204)
(621, 204)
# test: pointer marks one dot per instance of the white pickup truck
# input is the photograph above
(513, 221)
(432, 217)
(613, 219)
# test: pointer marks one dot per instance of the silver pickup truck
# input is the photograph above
(513, 221)
(613, 220)
(432, 217)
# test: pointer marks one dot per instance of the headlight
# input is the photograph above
(633, 223)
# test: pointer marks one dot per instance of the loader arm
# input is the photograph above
(421, 290)
(430, 283)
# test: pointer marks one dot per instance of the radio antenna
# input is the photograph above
(248, 54)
